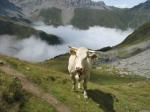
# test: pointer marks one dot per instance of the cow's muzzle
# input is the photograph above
(79, 70)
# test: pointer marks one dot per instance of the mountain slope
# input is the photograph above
(135, 43)
(12, 12)
(25, 31)
(8, 8)
(85, 13)
(84, 17)
(134, 52)
(140, 35)
(118, 18)
(143, 6)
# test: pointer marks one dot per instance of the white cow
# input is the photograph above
(79, 66)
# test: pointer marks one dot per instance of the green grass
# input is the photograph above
(107, 90)
(15, 99)
(34, 104)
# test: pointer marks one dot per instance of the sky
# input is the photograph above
(122, 3)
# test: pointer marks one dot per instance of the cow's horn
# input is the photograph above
(92, 51)
(72, 47)
(69, 46)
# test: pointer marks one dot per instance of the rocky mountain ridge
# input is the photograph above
(32, 6)
(142, 6)
(9, 9)
(76, 12)
(62, 3)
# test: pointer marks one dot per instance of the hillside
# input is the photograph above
(9, 9)
(109, 89)
(15, 99)
(140, 35)
(25, 31)
(51, 16)
(84, 17)
(143, 6)
(133, 53)
(118, 18)
(13, 22)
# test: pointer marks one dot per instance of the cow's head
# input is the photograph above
(83, 55)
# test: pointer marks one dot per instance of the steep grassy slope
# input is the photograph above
(107, 92)
(24, 31)
(15, 99)
(138, 36)
(135, 43)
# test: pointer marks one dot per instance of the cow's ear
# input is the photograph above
(72, 50)
(92, 55)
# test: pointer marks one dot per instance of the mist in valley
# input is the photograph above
(35, 49)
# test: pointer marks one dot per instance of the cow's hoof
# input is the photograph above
(85, 95)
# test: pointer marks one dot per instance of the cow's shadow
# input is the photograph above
(104, 100)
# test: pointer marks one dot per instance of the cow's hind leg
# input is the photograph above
(85, 88)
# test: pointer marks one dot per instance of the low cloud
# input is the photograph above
(30, 49)
(95, 37)
(34, 49)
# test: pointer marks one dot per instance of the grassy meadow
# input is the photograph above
(108, 91)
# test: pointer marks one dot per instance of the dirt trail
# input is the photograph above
(35, 90)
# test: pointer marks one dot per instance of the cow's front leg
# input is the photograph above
(73, 82)
(85, 88)
(79, 85)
